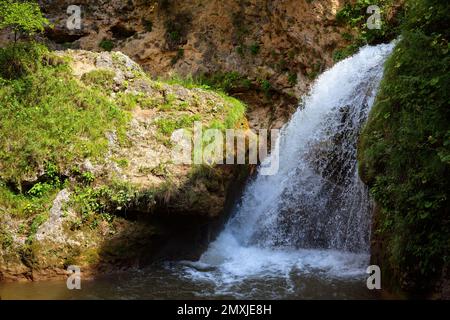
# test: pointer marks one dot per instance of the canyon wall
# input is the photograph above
(278, 46)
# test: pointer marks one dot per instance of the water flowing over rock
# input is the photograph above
(314, 214)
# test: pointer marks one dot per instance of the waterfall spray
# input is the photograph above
(314, 214)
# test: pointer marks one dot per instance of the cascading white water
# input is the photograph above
(313, 216)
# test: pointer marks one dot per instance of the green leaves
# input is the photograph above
(404, 152)
(22, 17)
(355, 16)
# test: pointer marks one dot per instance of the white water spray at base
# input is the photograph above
(313, 217)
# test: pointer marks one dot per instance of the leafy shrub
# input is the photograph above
(106, 44)
(22, 17)
(255, 48)
(405, 150)
(20, 59)
(354, 14)
(94, 204)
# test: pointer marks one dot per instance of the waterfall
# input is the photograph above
(313, 215)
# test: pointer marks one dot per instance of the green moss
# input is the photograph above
(405, 150)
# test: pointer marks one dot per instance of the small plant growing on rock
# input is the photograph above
(106, 44)
(88, 177)
(101, 78)
(292, 78)
(266, 87)
(148, 25)
(178, 56)
(240, 50)
(255, 48)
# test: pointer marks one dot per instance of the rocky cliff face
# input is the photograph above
(133, 204)
(280, 46)
(266, 52)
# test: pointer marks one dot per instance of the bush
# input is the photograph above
(404, 152)
(106, 44)
(354, 14)
(20, 59)
(255, 48)
(22, 17)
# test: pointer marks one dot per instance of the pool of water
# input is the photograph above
(186, 281)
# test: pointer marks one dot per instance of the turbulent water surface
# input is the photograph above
(302, 233)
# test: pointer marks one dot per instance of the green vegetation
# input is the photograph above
(177, 30)
(235, 112)
(102, 78)
(52, 122)
(354, 14)
(22, 17)
(129, 101)
(178, 56)
(6, 239)
(266, 87)
(404, 152)
(20, 59)
(255, 48)
(106, 44)
(227, 82)
(35, 201)
(292, 78)
(148, 25)
(167, 126)
(95, 204)
(47, 116)
(49, 122)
